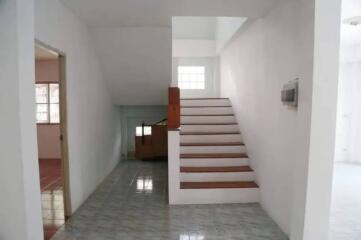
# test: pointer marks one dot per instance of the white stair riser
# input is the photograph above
(214, 162)
(213, 149)
(221, 138)
(210, 123)
(217, 177)
(210, 128)
(212, 196)
(207, 119)
(205, 102)
(206, 110)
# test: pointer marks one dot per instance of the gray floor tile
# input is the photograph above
(132, 203)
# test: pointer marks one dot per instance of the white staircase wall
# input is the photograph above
(216, 196)
(173, 167)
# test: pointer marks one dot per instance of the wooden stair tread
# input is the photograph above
(213, 155)
(212, 144)
(204, 98)
(205, 106)
(209, 124)
(207, 115)
(208, 185)
(215, 169)
(208, 133)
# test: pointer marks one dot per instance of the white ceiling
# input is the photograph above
(151, 13)
(202, 28)
(350, 35)
(133, 39)
(136, 62)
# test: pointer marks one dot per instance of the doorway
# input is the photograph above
(345, 215)
(52, 137)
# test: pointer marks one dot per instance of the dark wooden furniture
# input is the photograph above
(154, 145)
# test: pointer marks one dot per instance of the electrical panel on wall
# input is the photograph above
(289, 94)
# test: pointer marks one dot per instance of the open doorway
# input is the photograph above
(345, 220)
(51, 137)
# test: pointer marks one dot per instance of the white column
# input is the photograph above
(323, 119)
(20, 207)
(173, 166)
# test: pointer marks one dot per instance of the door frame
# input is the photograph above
(63, 127)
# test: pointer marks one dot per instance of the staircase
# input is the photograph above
(213, 164)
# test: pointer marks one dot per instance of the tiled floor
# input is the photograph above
(51, 196)
(345, 222)
(132, 204)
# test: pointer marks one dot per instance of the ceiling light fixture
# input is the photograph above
(353, 21)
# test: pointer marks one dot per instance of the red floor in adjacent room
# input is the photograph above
(51, 196)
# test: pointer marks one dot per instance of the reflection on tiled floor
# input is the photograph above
(345, 219)
(131, 204)
(51, 196)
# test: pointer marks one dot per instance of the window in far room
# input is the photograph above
(147, 131)
(191, 77)
(47, 103)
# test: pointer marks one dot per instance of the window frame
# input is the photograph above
(48, 104)
(190, 66)
(145, 134)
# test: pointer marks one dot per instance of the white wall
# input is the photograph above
(20, 207)
(193, 48)
(48, 135)
(291, 151)
(201, 28)
(93, 121)
(134, 59)
(323, 119)
(226, 28)
(348, 137)
(211, 65)
(270, 52)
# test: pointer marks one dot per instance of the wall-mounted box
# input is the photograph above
(289, 93)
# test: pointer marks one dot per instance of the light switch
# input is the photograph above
(289, 93)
